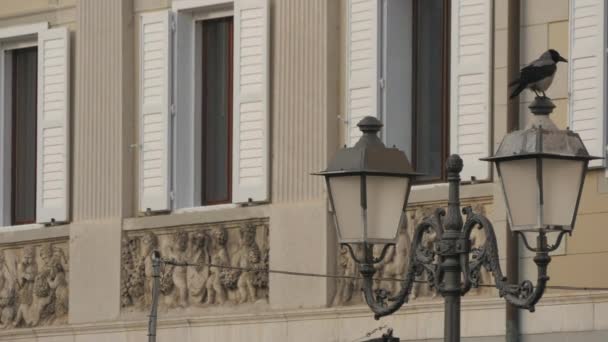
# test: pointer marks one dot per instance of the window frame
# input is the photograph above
(445, 93)
(445, 96)
(204, 115)
(11, 38)
(13, 129)
(194, 12)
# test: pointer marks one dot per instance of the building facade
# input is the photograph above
(192, 127)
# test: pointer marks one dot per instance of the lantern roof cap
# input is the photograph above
(369, 155)
(541, 138)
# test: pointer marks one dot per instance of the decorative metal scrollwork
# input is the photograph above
(425, 260)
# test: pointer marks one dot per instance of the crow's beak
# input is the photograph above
(562, 59)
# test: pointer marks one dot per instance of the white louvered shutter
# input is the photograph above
(587, 74)
(362, 64)
(154, 116)
(471, 64)
(52, 178)
(250, 173)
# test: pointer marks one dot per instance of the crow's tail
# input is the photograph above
(514, 83)
(517, 90)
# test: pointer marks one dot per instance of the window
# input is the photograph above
(204, 105)
(424, 68)
(23, 95)
(34, 130)
(431, 89)
(587, 75)
(217, 110)
(423, 130)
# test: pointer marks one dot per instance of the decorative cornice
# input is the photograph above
(271, 316)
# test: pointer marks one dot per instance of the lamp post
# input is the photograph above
(542, 170)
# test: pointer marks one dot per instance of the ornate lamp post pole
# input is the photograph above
(542, 170)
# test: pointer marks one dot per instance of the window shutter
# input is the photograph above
(186, 127)
(154, 107)
(250, 174)
(587, 74)
(52, 179)
(362, 64)
(470, 85)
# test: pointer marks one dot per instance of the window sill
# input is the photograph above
(22, 227)
(30, 232)
(439, 192)
(198, 215)
(206, 208)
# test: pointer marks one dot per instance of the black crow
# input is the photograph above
(538, 75)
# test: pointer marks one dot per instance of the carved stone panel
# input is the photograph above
(396, 260)
(240, 246)
(34, 284)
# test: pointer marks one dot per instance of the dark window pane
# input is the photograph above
(430, 95)
(217, 110)
(24, 135)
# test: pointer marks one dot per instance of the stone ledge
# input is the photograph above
(36, 11)
(439, 192)
(196, 217)
(34, 233)
(359, 311)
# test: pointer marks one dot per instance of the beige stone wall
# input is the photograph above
(307, 88)
(56, 12)
(545, 25)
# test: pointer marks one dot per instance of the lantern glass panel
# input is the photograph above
(561, 185)
(519, 181)
(346, 198)
(385, 203)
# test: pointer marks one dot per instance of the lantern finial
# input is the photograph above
(370, 124)
(541, 106)
(454, 164)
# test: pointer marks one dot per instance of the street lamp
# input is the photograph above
(368, 187)
(542, 170)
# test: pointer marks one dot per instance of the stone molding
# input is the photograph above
(241, 244)
(471, 304)
(201, 215)
(34, 284)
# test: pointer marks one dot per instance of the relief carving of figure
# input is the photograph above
(35, 291)
(26, 274)
(345, 286)
(206, 268)
(478, 239)
(395, 262)
(248, 256)
(149, 243)
(7, 293)
(198, 275)
(179, 275)
(55, 264)
(215, 283)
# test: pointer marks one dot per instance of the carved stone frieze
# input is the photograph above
(241, 246)
(34, 285)
(395, 262)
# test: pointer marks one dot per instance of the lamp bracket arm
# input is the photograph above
(421, 260)
(383, 253)
(526, 294)
(547, 248)
(351, 252)
(375, 260)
